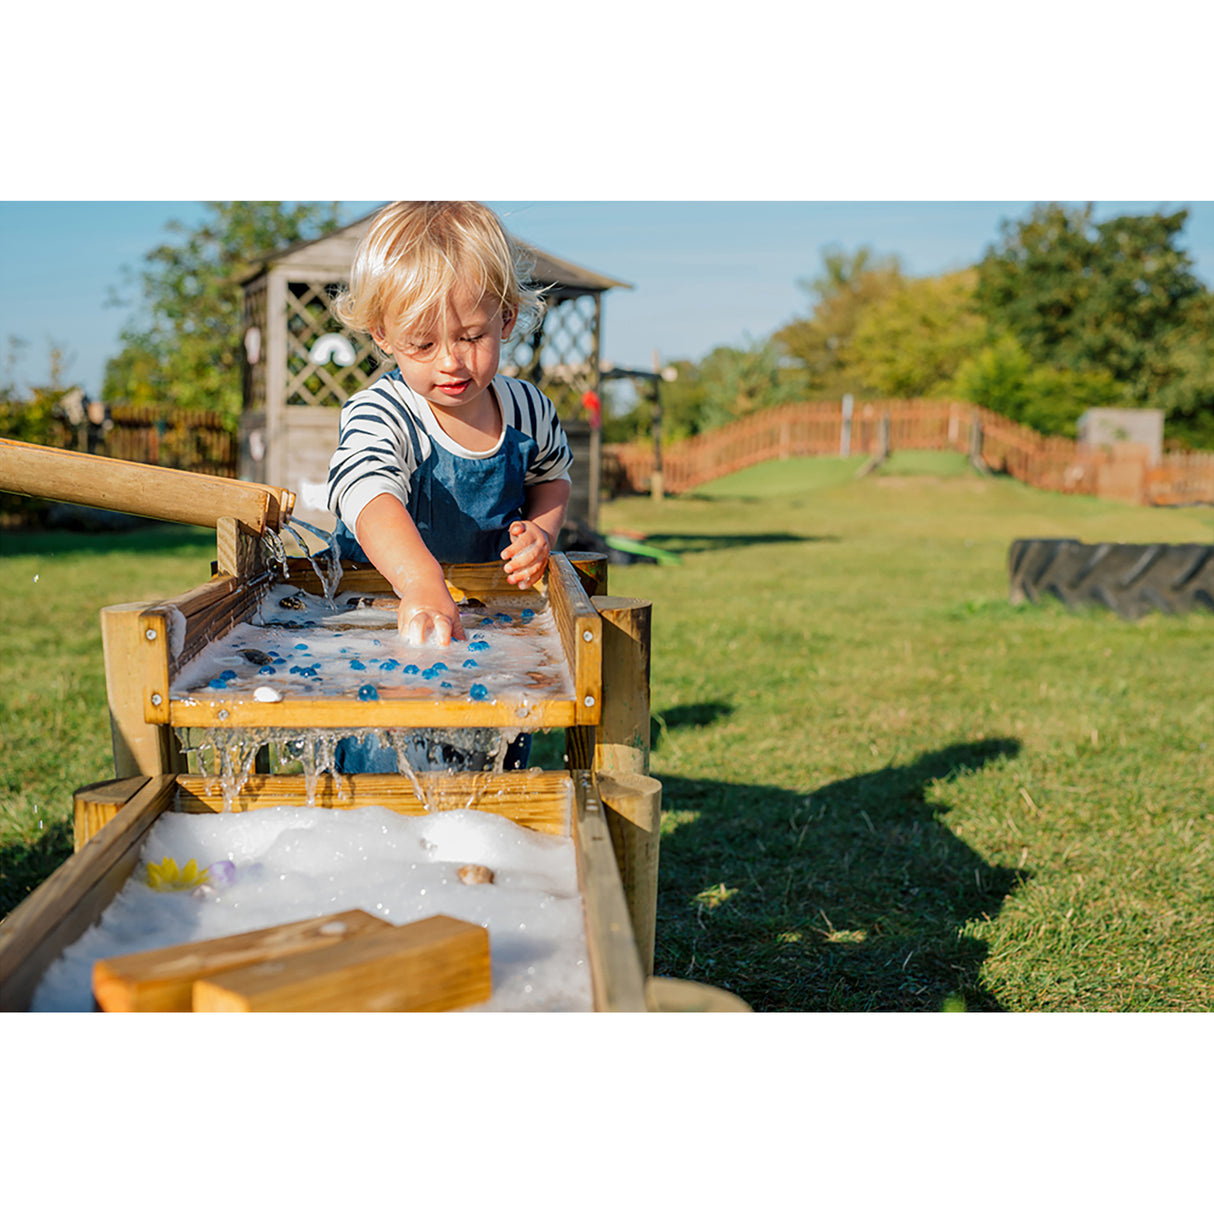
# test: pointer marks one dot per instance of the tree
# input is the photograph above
(911, 342)
(184, 346)
(1003, 378)
(1117, 297)
(848, 286)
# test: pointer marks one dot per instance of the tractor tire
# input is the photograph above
(1129, 579)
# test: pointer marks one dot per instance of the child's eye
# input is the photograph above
(474, 337)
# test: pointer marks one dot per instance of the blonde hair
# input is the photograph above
(416, 253)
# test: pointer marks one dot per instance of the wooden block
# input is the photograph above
(162, 980)
(430, 966)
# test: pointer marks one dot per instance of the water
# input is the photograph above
(226, 758)
(330, 575)
(301, 645)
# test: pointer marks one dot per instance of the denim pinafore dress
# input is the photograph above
(463, 508)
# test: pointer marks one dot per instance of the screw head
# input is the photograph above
(150, 634)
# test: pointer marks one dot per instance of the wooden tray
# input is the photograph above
(114, 818)
(140, 654)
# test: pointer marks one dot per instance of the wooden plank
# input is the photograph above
(615, 966)
(142, 489)
(391, 711)
(162, 980)
(96, 804)
(581, 632)
(539, 800)
(140, 747)
(633, 809)
(74, 896)
(433, 965)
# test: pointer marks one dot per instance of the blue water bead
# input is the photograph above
(367, 692)
(527, 613)
(228, 674)
(390, 664)
(503, 618)
(218, 684)
(357, 665)
(430, 673)
(487, 620)
(446, 685)
(411, 669)
(266, 670)
(478, 646)
(478, 691)
(471, 663)
(301, 646)
(439, 666)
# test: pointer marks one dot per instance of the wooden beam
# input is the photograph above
(142, 489)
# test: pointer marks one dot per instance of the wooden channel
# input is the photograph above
(75, 896)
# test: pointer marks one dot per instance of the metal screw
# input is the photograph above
(589, 701)
(156, 698)
(150, 634)
(587, 635)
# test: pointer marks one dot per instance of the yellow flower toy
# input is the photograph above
(167, 876)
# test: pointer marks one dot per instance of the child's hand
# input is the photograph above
(427, 607)
(527, 556)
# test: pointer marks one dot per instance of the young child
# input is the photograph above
(442, 459)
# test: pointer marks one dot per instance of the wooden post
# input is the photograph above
(140, 748)
(237, 549)
(623, 733)
(655, 485)
(633, 809)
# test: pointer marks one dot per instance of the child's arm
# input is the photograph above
(531, 539)
(394, 546)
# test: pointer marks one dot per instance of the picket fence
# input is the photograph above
(1121, 471)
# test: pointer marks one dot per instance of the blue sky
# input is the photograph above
(703, 273)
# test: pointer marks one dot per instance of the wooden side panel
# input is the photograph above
(540, 801)
(615, 966)
(430, 966)
(581, 632)
(162, 980)
(75, 895)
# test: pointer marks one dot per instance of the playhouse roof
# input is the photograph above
(330, 256)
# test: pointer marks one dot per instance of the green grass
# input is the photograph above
(52, 696)
(884, 788)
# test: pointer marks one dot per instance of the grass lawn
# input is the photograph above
(884, 788)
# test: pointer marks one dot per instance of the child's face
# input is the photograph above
(452, 366)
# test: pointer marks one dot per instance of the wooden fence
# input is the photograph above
(190, 440)
(1123, 471)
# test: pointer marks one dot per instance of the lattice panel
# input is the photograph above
(559, 356)
(254, 337)
(326, 363)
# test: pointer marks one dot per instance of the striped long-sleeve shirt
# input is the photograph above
(388, 432)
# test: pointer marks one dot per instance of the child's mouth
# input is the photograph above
(454, 389)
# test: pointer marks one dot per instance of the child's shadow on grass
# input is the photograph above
(853, 899)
